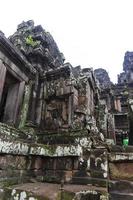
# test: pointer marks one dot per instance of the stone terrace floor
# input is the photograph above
(50, 191)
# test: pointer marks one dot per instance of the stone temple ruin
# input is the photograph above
(62, 127)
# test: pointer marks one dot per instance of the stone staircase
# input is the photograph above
(77, 161)
(121, 189)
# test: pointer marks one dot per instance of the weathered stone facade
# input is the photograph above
(59, 125)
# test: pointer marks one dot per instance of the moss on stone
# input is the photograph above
(25, 106)
(65, 195)
(13, 194)
(29, 41)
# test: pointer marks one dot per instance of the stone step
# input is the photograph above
(121, 186)
(43, 191)
(61, 138)
(89, 180)
(11, 133)
(121, 196)
(23, 148)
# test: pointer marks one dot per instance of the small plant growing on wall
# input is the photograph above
(31, 42)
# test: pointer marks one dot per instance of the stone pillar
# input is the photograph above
(39, 105)
(33, 101)
(2, 77)
(19, 101)
(25, 107)
(70, 109)
(117, 105)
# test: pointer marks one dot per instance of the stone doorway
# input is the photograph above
(8, 100)
(11, 93)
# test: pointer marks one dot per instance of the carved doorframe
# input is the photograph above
(15, 94)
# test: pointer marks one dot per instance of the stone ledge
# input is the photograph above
(39, 191)
(120, 156)
(21, 148)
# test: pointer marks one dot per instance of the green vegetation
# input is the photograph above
(30, 41)
(65, 195)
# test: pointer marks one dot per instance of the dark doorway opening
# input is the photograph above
(10, 82)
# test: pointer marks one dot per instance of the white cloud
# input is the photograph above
(90, 33)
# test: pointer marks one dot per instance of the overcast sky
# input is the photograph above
(90, 33)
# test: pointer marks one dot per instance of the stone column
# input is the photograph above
(2, 77)
(25, 107)
(39, 105)
(33, 102)
(19, 101)
(70, 109)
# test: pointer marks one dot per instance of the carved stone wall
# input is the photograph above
(57, 124)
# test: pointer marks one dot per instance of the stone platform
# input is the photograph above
(47, 191)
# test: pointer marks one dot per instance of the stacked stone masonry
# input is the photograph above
(61, 127)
